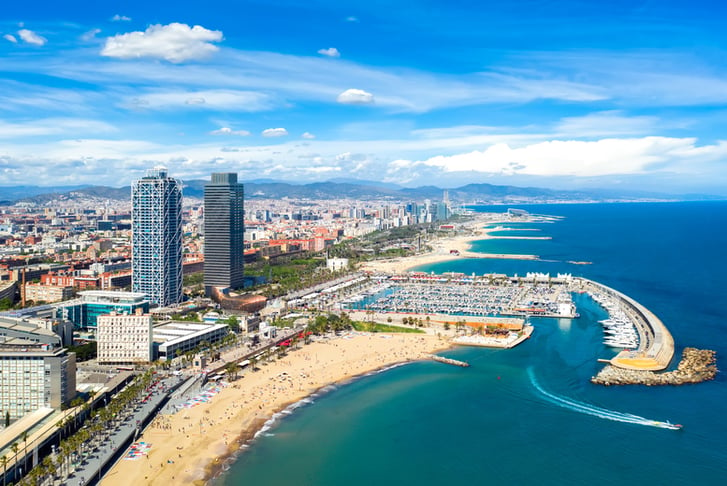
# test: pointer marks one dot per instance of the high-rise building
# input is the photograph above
(156, 241)
(224, 226)
(35, 376)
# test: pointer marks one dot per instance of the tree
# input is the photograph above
(4, 460)
(14, 448)
(446, 326)
(234, 323)
(25, 448)
(231, 369)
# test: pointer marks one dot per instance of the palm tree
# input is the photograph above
(25, 448)
(4, 460)
(231, 369)
(14, 448)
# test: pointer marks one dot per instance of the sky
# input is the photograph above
(571, 94)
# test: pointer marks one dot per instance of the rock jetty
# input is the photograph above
(450, 361)
(697, 365)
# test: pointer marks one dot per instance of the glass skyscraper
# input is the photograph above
(224, 227)
(156, 241)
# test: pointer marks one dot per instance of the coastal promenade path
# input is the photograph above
(656, 345)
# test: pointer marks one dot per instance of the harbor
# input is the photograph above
(459, 295)
(479, 306)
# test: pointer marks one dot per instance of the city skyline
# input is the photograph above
(553, 94)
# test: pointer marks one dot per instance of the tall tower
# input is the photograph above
(224, 226)
(156, 240)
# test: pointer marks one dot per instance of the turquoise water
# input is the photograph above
(529, 415)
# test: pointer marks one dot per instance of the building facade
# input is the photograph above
(178, 338)
(125, 339)
(85, 311)
(223, 232)
(33, 376)
(47, 293)
(156, 241)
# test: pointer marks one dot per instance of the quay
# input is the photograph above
(656, 345)
(450, 361)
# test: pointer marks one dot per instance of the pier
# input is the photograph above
(656, 345)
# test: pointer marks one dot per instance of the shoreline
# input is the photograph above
(246, 438)
(443, 246)
(193, 445)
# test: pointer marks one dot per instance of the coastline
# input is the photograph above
(190, 446)
(444, 246)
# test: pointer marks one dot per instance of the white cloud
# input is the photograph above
(31, 37)
(604, 124)
(330, 52)
(274, 132)
(10, 38)
(174, 43)
(569, 157)
(52, 126)
(120, 18)
(308, 135)
(90, 35)
(230, 131)
(247, 101)
(355, 97)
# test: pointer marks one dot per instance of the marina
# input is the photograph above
(456, 295)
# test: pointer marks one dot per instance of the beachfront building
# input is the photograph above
(125, 338)
(178, 338)
(34, 376)
(91, 304)
(223, 232)
(156, 241)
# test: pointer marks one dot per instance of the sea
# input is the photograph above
(529, 415)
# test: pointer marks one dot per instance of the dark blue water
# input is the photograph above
(497, 421)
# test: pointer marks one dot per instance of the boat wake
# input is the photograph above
(599, 412)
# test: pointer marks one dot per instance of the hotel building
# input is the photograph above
(156, 242)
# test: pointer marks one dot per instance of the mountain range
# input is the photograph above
(350, 189)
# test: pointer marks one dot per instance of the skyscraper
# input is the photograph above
(156, 241)
(224, 227)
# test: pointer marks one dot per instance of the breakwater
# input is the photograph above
(696, 366)
(450, 361)
(656, 345)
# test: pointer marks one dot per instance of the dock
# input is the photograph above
(450, 361)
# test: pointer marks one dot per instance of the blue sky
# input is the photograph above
(565, 94)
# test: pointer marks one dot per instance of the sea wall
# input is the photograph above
(696, 365)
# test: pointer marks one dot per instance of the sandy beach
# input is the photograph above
(188, 445)
(443, 247)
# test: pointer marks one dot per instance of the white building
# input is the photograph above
(178, 338)
(336, 264)
(125, 338)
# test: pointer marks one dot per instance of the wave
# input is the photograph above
(604, 413)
